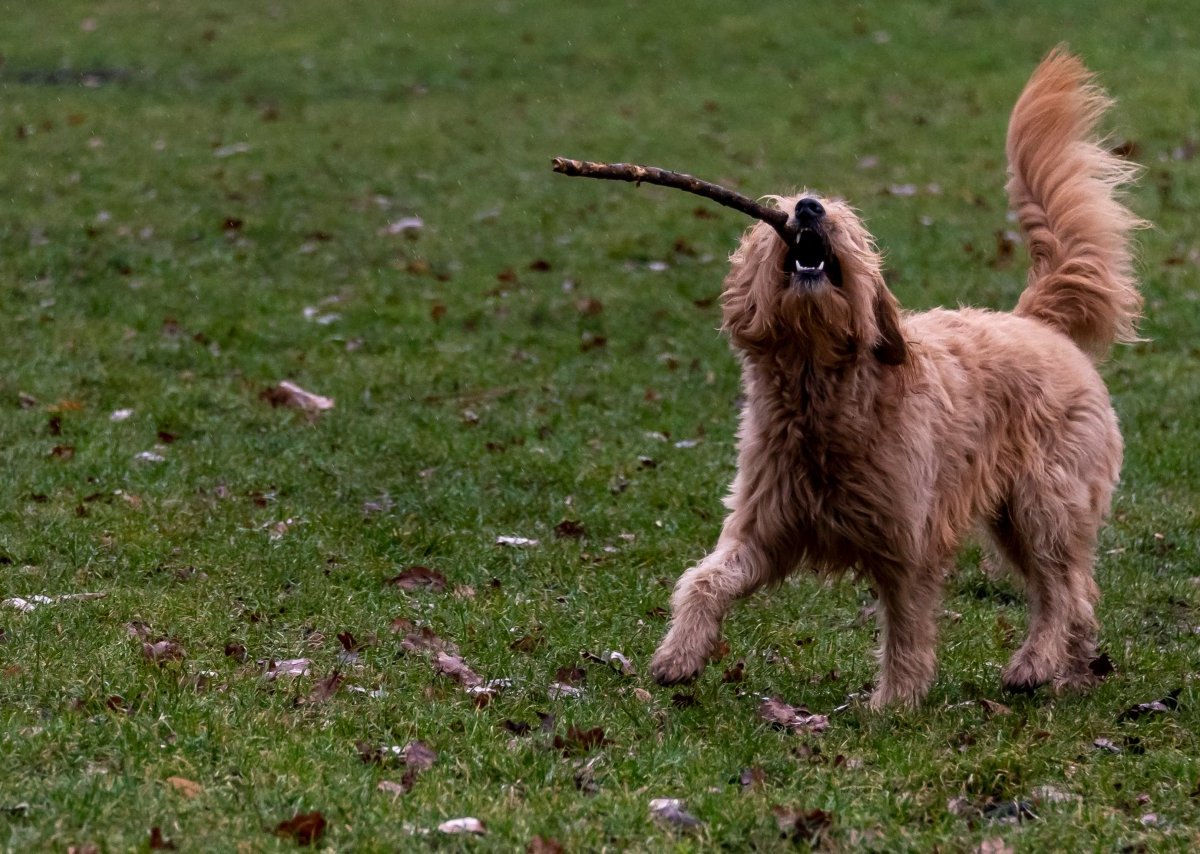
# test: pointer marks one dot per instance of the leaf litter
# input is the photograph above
(288, 394)
(775, 711)
(672, 811)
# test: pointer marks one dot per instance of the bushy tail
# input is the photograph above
(1065, 187)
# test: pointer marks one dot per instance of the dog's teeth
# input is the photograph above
(821, 266)
(798, 267)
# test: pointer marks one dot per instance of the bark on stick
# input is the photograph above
(773, 217)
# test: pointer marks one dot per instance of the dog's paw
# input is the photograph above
(1023, 676)
(892, 696)
(671, 667)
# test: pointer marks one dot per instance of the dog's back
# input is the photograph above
(1064, 187)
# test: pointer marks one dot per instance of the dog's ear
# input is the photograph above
(889, 347)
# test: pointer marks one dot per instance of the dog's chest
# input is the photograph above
(816, 443)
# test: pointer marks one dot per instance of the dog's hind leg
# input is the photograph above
(1050, 539)
(907, 613)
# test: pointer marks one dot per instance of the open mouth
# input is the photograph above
(809, 261)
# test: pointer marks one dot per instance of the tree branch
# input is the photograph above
(773, 217)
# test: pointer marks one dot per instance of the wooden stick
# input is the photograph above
(773, 217)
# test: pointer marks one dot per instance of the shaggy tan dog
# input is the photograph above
(876, 441)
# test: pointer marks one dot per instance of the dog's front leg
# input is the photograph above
(907, 612)
(740, 564)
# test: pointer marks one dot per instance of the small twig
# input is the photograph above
(773, 217)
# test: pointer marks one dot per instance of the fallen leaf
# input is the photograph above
(569, 528)
(995, 845)
(291, 395)
(463, 825)
(162, 651)
(118, 415)
(753, 778)
(1101, 666)
(1051, 795)
(62, 452)
(585, 775)
(324, 689)
(516, 727)
(157, 842)
(424, 640)
(418, 755)
(684, 701)
(1009, 812)
(527, 643)
(589, 306)
(543, 845)
(184, 786)
(236, 651)
(671, 811)
(1106, 744)
(403, 225)
(303, 828)
(559, 690)
(801, 825)
(994, 708)
(620, 663)
(579, 741)
(516, 542)
(391, 788)
(35, 601)
(796, 718)
(570, 675)
(230, 150)
(735, 674)
(419, 578)
(457, 669)
(1168, 703)
(287, 667)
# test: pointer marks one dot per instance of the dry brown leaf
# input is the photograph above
(457, 669)
(424, 640)
(419, 578)
(293, 396)
(184, 786)
(324, 689)
(544, 845)
(802, 825)
(157, 842)
(419, 755)
(796, 718)
(753, 778)
(162, 651)
(304, 828)
(580, 741)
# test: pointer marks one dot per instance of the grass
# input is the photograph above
(181, 183)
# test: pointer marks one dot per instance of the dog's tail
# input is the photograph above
(1065, 189)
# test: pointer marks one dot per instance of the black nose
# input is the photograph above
(808, 210)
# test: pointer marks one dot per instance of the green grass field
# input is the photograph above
(203, 200)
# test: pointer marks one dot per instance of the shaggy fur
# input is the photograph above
(876, 441)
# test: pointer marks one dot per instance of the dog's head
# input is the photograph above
(824, 293)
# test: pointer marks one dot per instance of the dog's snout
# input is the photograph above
(808, 210)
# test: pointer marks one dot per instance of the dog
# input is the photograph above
(875, 441)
